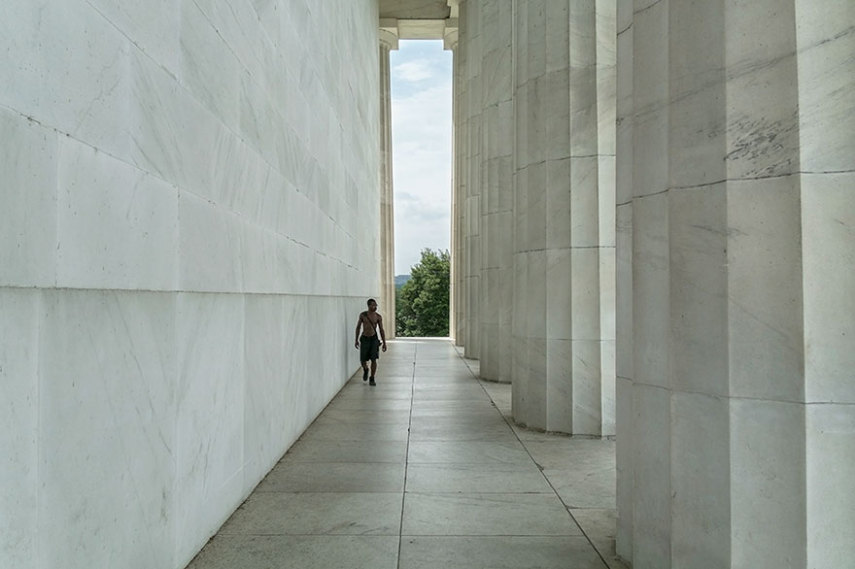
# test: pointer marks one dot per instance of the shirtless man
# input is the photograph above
(368, 344)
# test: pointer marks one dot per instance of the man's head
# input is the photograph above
(372, 305)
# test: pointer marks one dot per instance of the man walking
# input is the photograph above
(368, 344)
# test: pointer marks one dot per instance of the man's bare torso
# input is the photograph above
(369, 323)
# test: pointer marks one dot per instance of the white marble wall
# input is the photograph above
(736, 421)
(188, 214)
(564, 257)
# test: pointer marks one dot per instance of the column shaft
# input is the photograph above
(564, 235)
(469, 49)
(496, 177)
(387, 209)
(732, 215)
(458, 202)
(625, 437)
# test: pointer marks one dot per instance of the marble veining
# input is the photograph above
(719, 255)
(172, 212)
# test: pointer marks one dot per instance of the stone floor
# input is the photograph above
(426, 470)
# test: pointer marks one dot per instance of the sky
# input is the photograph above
(421, 149)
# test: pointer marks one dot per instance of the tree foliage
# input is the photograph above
(422, 303)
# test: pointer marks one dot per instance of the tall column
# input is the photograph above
(563, 320)
(496, 189)
(388, 41)
(458, 198)
(469, 51)
(605, 66)
(623, 276)
(738, 400)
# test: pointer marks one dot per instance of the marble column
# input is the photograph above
(623, 281)
(736, 165)
(469, 97)
(564, 258)
(388, 41)
(496, 177)
(458, 200)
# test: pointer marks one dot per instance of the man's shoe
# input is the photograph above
(364, 374)
(372, 382)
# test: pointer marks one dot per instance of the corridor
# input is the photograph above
(425, 470)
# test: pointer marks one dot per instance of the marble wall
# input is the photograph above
(189, 201)
(736, 423)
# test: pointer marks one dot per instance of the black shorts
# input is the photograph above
(369, 348)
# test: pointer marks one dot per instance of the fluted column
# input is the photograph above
(388, 41)
(469, 50)
(458, 200)
(737, 406)
(563, 326)
(496, 177)
(623, 276)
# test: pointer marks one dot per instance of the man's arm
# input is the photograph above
(382, 331)
(358, 326)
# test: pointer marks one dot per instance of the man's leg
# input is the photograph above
(364, 370)
(373, 371)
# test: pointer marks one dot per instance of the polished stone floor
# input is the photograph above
(426, 470)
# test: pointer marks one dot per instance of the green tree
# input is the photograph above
(422, 303)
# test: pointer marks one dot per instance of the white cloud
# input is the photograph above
(413, 71)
